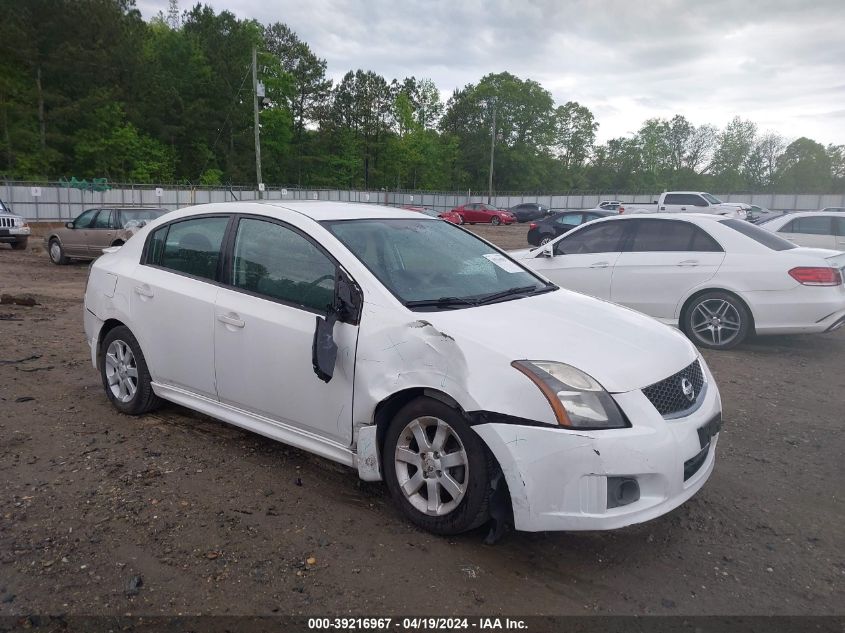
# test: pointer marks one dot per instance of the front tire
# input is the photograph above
(495, 220)
(437, 468)
(57, 253)
(716, 320)
(124, 373)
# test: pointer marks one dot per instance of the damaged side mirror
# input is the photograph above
(548, 250)
(345, 308)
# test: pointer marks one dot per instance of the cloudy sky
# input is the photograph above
(780, 63)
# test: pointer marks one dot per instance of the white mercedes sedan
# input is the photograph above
(385, 340)
(817, 229)
(717, 279)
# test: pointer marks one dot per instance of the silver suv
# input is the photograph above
(13, 229)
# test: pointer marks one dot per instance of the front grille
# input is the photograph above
(7, 222)
(668, 396)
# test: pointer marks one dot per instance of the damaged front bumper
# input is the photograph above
(562, 479)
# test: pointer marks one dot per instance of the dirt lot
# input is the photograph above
(211, 519)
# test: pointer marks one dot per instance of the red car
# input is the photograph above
(478, 212)
(449, 216)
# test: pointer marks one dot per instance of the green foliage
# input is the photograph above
(89, 89)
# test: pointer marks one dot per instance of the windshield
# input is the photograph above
(711, 198)
(3, 208)
(762, 236)
(427, 262)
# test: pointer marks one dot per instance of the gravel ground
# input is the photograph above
(176, 513)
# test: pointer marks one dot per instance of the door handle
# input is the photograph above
(144, 291)
(688, 262)
(233, 320)
(600, 265)
(683, 208)
(662, 208)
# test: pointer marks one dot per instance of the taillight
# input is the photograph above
(816, 276)
(533, 225)
(621, 209)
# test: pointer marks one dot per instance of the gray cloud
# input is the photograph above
(777, 62)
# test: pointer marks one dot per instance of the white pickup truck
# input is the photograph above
(688, 202)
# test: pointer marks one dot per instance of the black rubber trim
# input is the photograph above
(491, 417)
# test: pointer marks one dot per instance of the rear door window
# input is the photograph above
(569, 220)
(191, 246)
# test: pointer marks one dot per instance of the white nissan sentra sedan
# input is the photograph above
(384, 340)
(717, 279)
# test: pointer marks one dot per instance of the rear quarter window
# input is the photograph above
(761, 236)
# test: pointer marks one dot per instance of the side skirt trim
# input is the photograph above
(273, 429)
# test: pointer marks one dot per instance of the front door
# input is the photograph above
(279, 283)
(584, 259)
(75, 240)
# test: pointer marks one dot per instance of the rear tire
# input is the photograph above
(123, 370)
(20, 245)
(437, 468)
(716, 320)
(57, 253)
(545, 240)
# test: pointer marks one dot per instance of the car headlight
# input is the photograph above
(577, 399)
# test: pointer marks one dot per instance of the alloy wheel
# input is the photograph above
(121, 371)
(716, 321)
(431, 464)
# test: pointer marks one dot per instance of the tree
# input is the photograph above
(734, 147)
(804, 167)
(573, 139)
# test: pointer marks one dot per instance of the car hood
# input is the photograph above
(522, 253)
(622, 349)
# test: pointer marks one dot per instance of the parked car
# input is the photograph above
(96, 229)
(810, 228)
(688, 202)
(718, 279)
(529, 211)
(449, 216)
(545, 231)
(610, 205)
(14, 229)
(480, 213)
(833, 210)
(384, 340)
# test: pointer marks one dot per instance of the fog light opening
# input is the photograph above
(622, 491)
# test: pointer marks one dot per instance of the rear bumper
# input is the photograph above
(803, 310)
(558, 479)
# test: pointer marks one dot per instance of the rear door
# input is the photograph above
(662, 260)
(813, 231)
(172, 297)
(583, 260)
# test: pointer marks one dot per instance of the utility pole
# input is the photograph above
(492, 150)
(255, 109)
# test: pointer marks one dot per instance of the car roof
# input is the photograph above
(694, 218)
(811, 214)
(317, 210)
